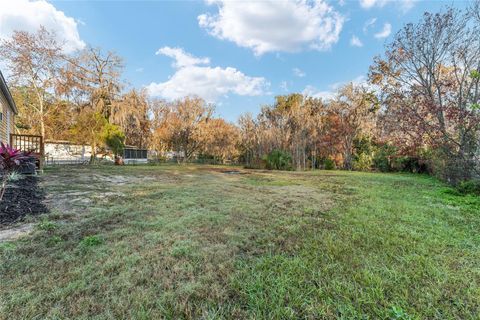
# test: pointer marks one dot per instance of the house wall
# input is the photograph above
(7, 121)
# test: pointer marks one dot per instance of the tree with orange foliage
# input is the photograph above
(130, 113)
(353, 112)
(220, 140)
(178, 126)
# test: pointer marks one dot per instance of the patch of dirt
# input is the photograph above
(22, 198)
(234, 172)
(224, 170)
(71, 193)
(16, 232)
(121, 180)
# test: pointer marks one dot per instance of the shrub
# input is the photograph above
(328, 164)
(364, 150)
(279, 160)
(114, 139)
(410, 164)
(363, 162)
(469, 187)
(382, 161)
(11, 160)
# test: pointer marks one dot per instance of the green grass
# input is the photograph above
(174, 242)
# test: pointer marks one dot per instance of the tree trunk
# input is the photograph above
(40, 110)
(93, 154)
(42, 126)
(347, 156)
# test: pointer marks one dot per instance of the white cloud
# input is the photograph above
(28, 16)
(404, 5)
(332, 88)
(387, 29)
(182, 58)
(385, 32)
(273, 26)
(367, 4)
(311, 91)
(356, 42)
(368, 24)
(284, 85)
(206, 82)
(298, 73)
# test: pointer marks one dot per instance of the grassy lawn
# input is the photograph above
(152, 242)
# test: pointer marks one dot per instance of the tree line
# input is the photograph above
(419, 110)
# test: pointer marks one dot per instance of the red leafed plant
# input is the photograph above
(11, 160)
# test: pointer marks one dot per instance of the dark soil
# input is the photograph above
(228, 171)
(22, 198)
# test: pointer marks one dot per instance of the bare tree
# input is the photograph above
(429, 80)
(93, 79)
(34, 60)
(248, 139)
(293, 124)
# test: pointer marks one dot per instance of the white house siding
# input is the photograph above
(7, 120)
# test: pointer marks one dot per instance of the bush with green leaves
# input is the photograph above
(387, 159)
(383, 158)
(363, 162)
(410, 164)
(114, 138)
(279, 160)
(470, 187)
(328, 164)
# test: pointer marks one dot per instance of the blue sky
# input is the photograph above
(237, 55)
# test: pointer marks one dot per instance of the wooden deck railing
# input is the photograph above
(29, 143)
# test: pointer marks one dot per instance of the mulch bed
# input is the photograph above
(22, 198)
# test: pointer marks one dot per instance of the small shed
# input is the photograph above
(133, 155)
